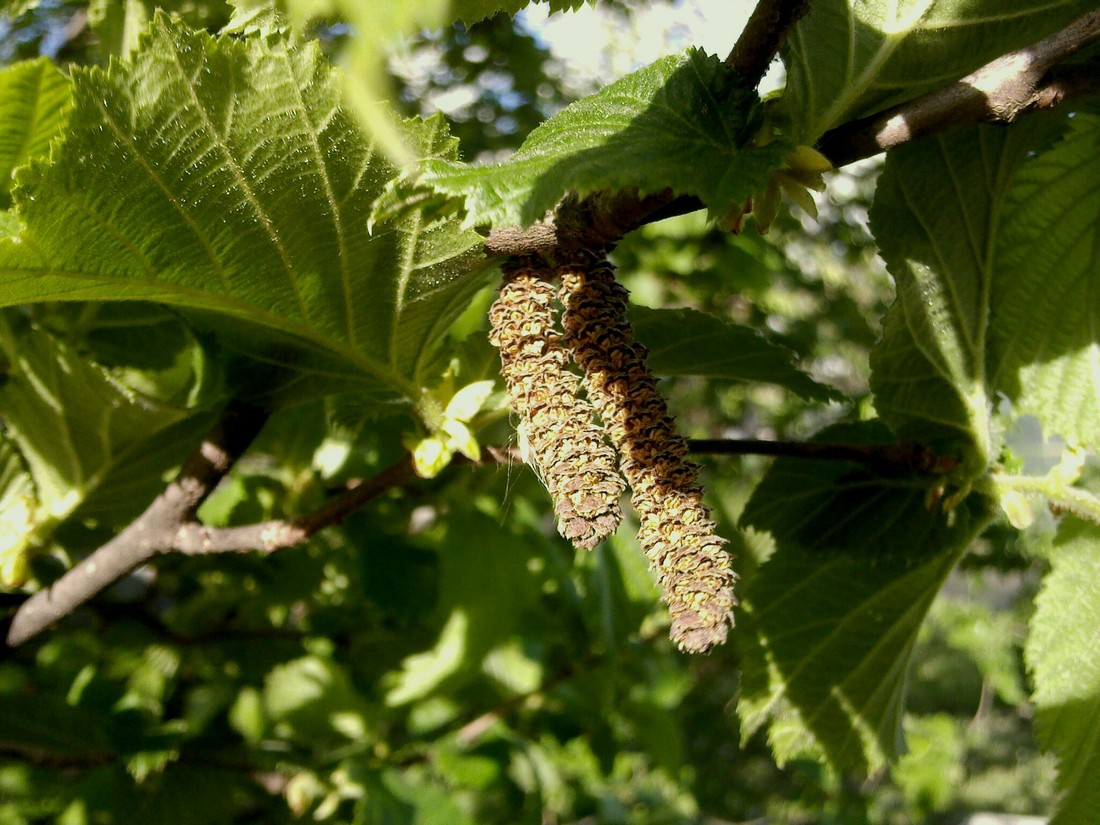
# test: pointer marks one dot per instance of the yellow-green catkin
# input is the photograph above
(567, 447)
(675, 529)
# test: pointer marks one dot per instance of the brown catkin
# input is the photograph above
(675, 530)
(567, 447)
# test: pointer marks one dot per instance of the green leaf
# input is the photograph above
(48, 725)
(937, 216)
(1046, 279)
(484, 586)
(848, 507)
(826, 643)
(689, 342)
(18, 506)
(219, 175)
(74, 425)
(1062, 657)
(316, 700)
(848, 59)
(34, 105)
(681, 123)
(395, 798)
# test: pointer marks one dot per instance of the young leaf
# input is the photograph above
(681, 123)
(826, 642)
(220, 175)
(689, 342)
(848, 59)
(937, 216)
(1062, 657)
(1046, 274)
(34, 104)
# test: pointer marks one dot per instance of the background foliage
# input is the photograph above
(201, 209)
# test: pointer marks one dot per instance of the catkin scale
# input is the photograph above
(675, 530)
(566, 446)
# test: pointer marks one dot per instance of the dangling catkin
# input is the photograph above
(566, 446)
(675, 529)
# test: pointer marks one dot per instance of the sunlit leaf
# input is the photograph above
(1045, 330)
(680, 124)
(220, 176)
(1063, 654)
(847, 59)
(938, 216)
(34, 105)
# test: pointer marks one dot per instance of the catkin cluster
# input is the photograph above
(564, 443)
(675, 529)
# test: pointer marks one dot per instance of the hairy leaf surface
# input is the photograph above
(1063, 654)
(831, 506)
(826, 640)
(851, 58)
(220, 176)
(1045, 331)
(937, 216)
(681, 123)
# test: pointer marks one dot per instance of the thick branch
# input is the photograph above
(152, 532)
(999, 92)
(598, 221)
(765, 32)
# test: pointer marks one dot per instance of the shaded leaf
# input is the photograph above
(73, 423)
(48, 726)
(1063, 655)
(681, 123)
(849, 507)
(847, 59)
(826, 643)
(689, 342)
(484, 586)
(219, 175)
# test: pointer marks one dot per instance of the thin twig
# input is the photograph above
(998, 92)
(197, 539)
(765, 32)
(895, 459)
(150, 533)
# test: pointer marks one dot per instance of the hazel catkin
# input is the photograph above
(566, 446)
(675, 530)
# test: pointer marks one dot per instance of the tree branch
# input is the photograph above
(999, 92)
(904, 458)
(1022, 81)
(196, 539)
(765, 32)
(151, 533)
(603, 220)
